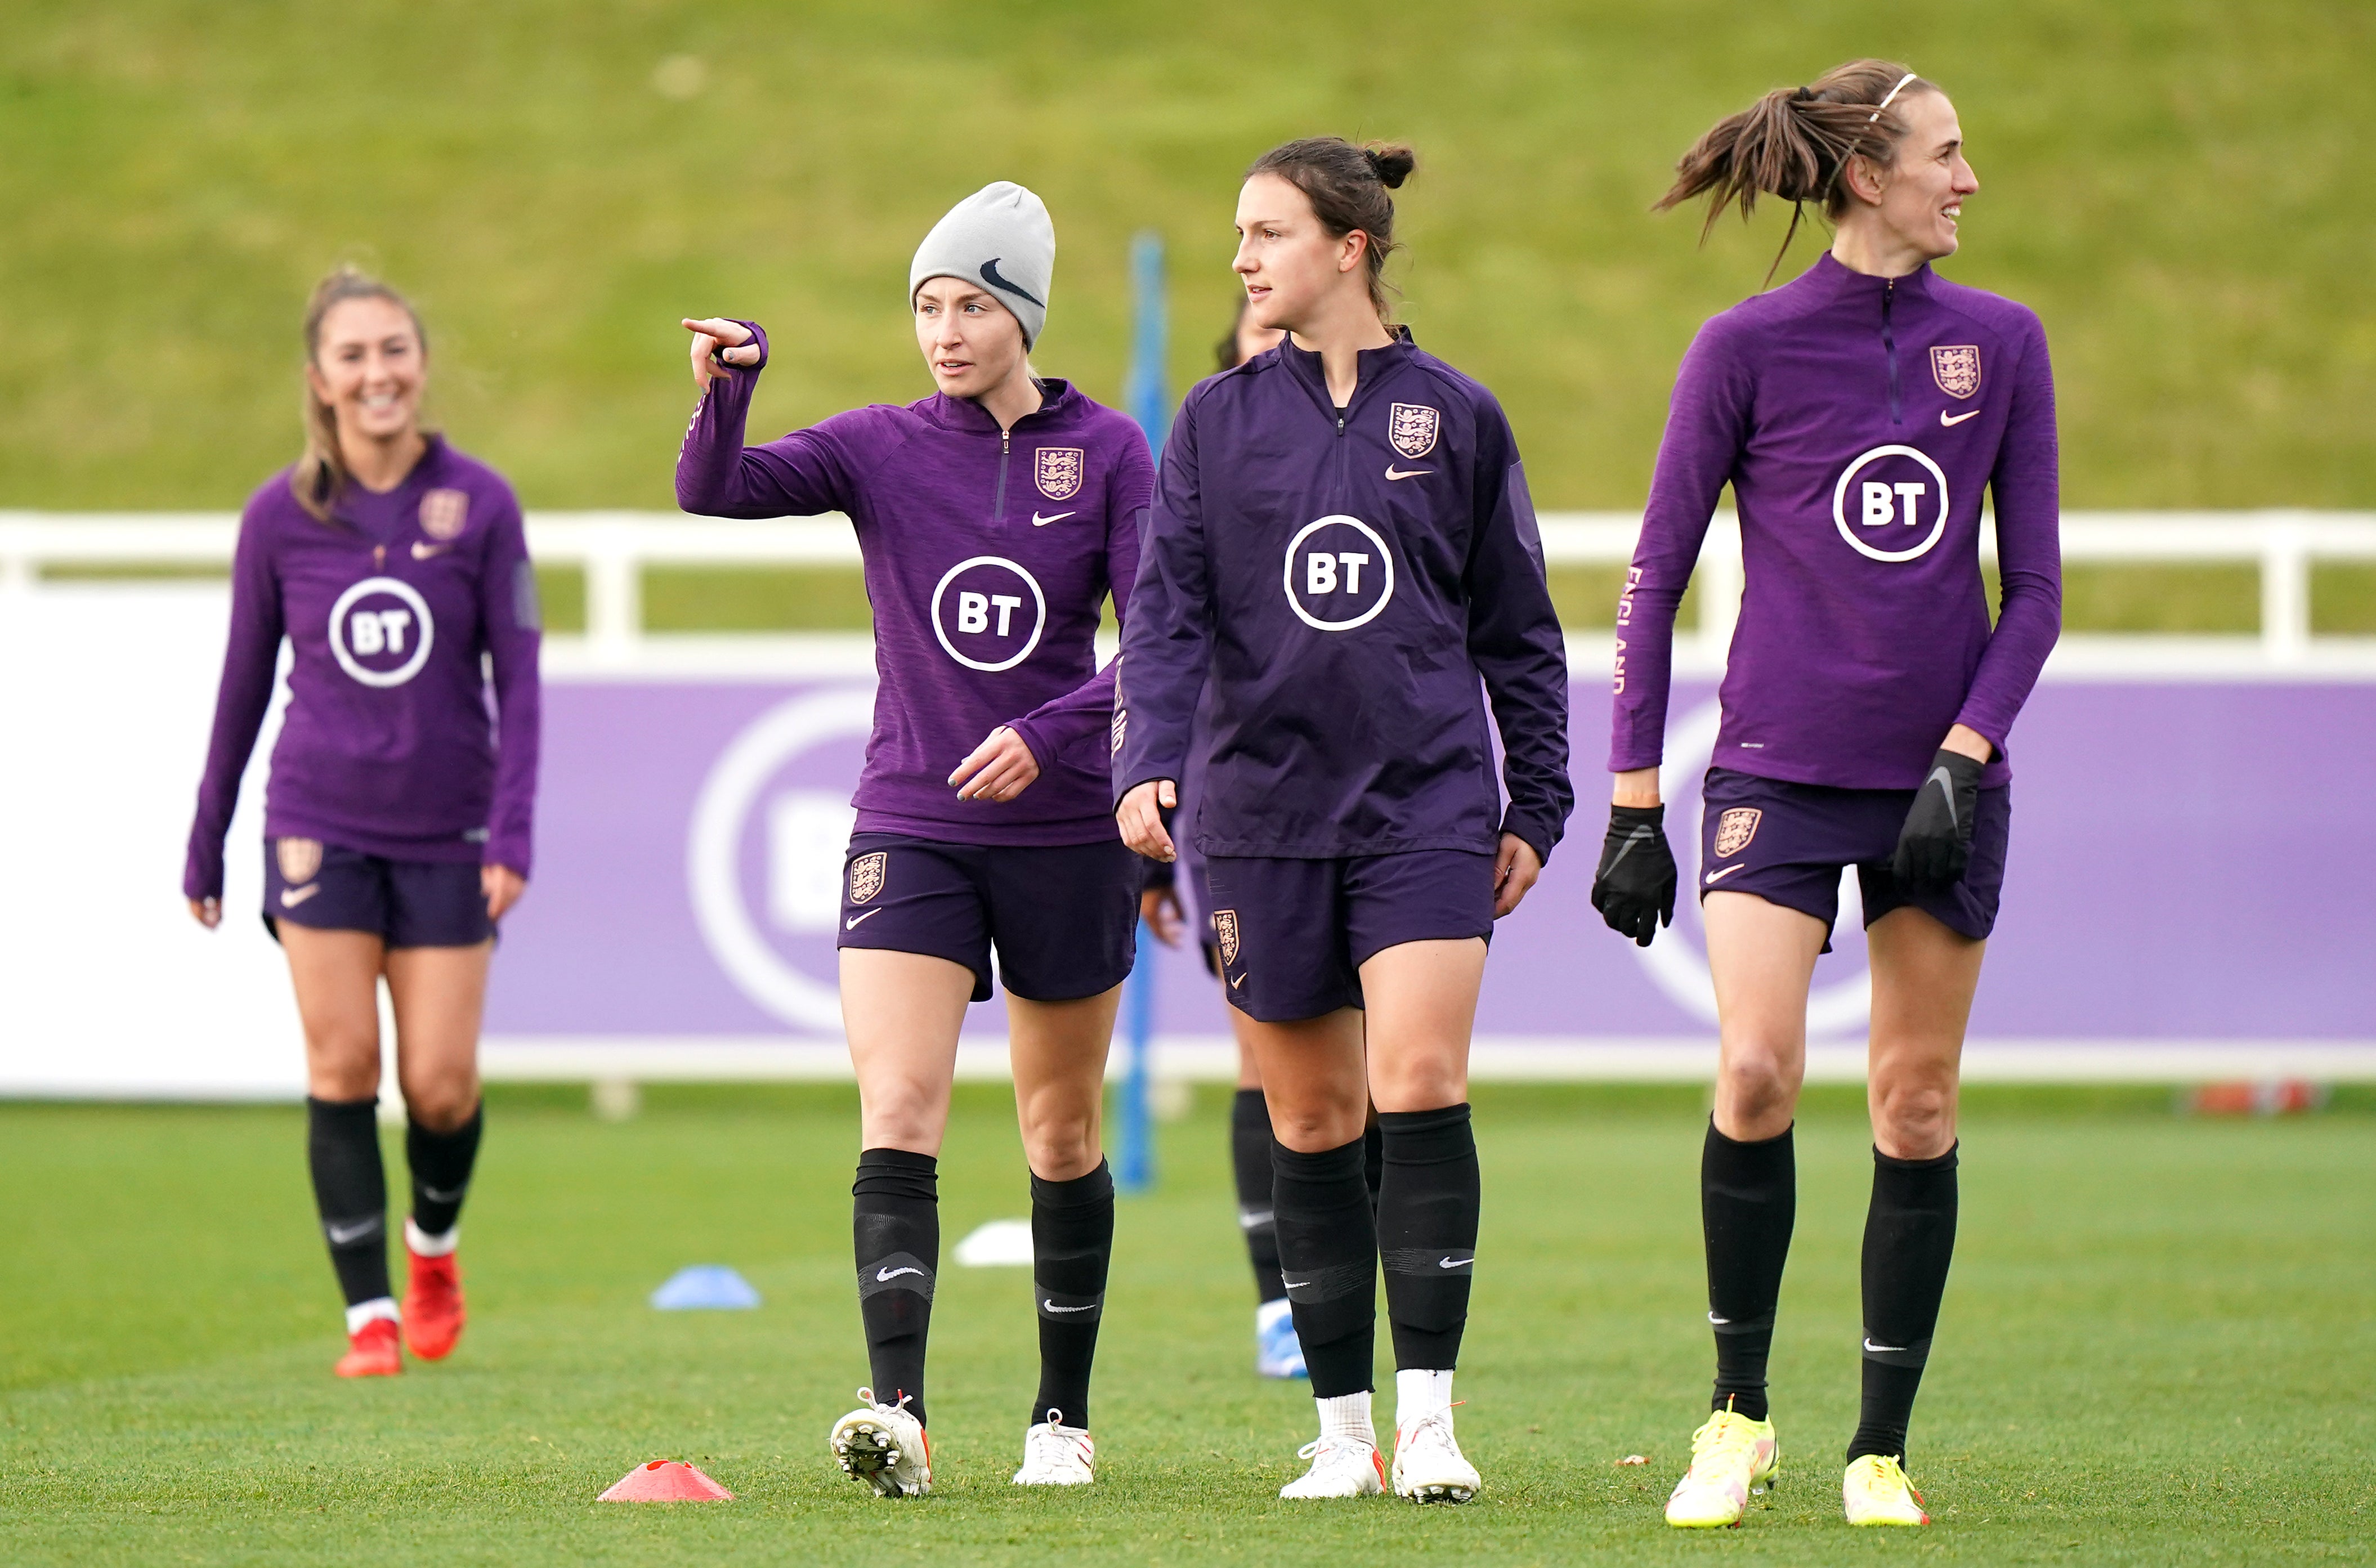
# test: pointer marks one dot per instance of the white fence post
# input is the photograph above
(614, 591)
(2285, 589)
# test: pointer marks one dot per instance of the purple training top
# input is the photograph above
(987, 554)
(388, 746)
(1347, 580)
(1858, 420)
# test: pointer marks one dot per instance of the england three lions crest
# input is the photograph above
(1224, 933)
(445, 514)
(299, 858)
(1059, 472)
(1412, 428)
(1734, 829)
(866, 876)
(1956, 370)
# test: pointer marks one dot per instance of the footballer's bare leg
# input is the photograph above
(1422, 1010)
(336, 974)
(1058, 1050)
(438, 995)
(902, 1012)
(1763, 958)
(1923, 979)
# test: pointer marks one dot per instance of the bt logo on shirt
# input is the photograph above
(381, 632)
(1339, 574)
(988, 614)
(1885, 491)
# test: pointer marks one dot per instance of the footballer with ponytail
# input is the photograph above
(1860, 412)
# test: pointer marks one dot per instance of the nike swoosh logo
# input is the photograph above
(1958, 419)
(1882, 1349)
(1715, 876)
(1237, 982)
(1946, 783)
(1454, 1262)
(1640, 835)
(1719, 1322)
(423, 551)
(1392, 472)
(990, 275)
(292, 897)
(433, 1195)
(1046, 1305)
(880, 1274)
(1040, 522)
(1295, 1283)
(341, 1234)
(855, 921)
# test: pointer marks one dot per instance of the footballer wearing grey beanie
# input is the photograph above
(1001, 238)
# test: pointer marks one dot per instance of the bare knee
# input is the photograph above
(1428, 1085)
(1757, 1091)
(1913, 1119)
(1313, 1128)
(442, 1108)
(903, 1115)
(1062, 1148)
(341, 1063)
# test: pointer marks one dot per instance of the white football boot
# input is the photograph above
(883, 1446)
(1341, 1466)
(1429, 1466)
(1056, 1454)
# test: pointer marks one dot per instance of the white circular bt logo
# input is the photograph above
(1892, 489)
(987, 613)
(377, 643)
(1339, 574)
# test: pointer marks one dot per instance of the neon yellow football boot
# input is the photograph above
(1875, 1491)
(1732, 1456)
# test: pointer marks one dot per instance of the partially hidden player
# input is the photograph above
(1859, 412)
(1176, 899)
(995, 518)
(397, 820)
(1343, 549)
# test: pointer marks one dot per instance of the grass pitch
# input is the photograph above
(2155, 1348)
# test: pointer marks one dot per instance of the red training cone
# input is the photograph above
(666, 1480)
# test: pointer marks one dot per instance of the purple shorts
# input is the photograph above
(404, 903)
(1293, 934)
(1063, 917)
(1787, 844)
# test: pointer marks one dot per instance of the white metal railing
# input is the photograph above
(613, 548)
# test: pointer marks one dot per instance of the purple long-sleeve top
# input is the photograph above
(414, 708)
(1355, 585)
(1858, 420)
(987, 554)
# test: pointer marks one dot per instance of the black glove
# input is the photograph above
(1935, 845)
(1634, 888)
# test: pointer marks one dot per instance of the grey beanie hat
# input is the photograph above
(1001, 238)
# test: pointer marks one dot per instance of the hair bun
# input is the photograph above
(1392, 161)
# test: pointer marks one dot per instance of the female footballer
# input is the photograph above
(1859, 412)
(994, 517)
(397, 820)
(1343, 549)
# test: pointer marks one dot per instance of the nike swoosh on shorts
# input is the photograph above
(855, 921)
(292, 897)
(1715, 876)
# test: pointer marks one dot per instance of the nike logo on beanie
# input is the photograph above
(990, 275)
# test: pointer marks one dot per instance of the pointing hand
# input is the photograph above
(729, 340)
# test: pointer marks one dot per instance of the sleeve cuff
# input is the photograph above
(1035, 740)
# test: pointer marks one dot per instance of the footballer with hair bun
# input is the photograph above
(1859, 412)
(396, 821)
(1342, 550)
(994, 517)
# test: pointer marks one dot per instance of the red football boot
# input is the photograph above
(372, 1351)
(433, 1306)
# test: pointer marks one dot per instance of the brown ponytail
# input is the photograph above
(1794, 144)
(1347, 187)
(321, 472)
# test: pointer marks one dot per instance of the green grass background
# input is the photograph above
(2180, 188)
(2156, 1348)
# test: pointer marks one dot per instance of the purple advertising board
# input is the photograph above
(2184, 866)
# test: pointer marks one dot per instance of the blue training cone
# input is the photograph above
(705, 1287)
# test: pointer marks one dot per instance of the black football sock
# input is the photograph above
(1427, 1233)
(1250, 1159)
(1749, 1200)
(1072, 1245)
(441, 1166)
(350, 1192)
(1909, 1237)
(895, 1223)
(1374, 1159)
(1328, 1261)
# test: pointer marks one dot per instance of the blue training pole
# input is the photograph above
(1145, 396)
